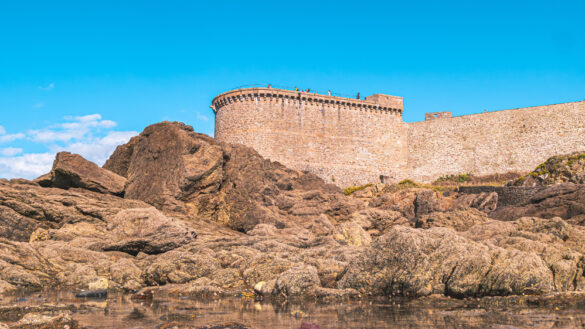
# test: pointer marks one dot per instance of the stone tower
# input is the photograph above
(342, 140)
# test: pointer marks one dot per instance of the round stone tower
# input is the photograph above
(344, 141)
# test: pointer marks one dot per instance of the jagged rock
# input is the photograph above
(377, 221)
(409, 202)
(330, 295)
(146, 230)
(230, 184)
(14, 226)
(265, 268)
(44, 180)
(72, 170)
(265, 288)
(61, 319)
(297, 281)
(28, 206)
(486, 202)
(568, 168)
(353, 234)
(119, 161)
(459, 219)
(179, 267)
(6, 287)
(563, 200)
(257, 221)
(414, 262)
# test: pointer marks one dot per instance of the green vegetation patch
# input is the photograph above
(407, 183)
(351, 189)
(461, 178)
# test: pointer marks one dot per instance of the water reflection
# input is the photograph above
(119, 311)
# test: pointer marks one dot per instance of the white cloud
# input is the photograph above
(10, 151)
(11, 137)
(5, 138)
(27, 165)
(79, 128)
(202, 117)
(107, 124)
(98, 150)
(87, 135)
(50, 86)
(50, 136)
(38, 105)
(88, 118)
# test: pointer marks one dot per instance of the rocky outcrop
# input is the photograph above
(55, 320)
(568, 168)
(458, 219)
(485, 201)
(411, 262)
(203, 218)
(297, 281)
(72, 170)
(563, 200)
(175, 169)
(411, 203)
(146, 230)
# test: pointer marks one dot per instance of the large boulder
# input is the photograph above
(72, 170)
(297, 281)
(146, 230)
(175, 169)
(26, 207)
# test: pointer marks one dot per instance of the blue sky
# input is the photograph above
(86, 76)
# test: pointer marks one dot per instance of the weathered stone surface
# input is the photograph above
(46, 321)
(411, 262)
(459, 219)
(119, 161)
(230, 184)
(24, 207)
(179, 267)
(563, 200)
(72, 170)
(567, 168)
(354, 147)
(146, 230)
(486, 202)
(297, 281)
(285, 233)
(353, 234)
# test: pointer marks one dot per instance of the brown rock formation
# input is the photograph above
(568, 168)
(72, 170)
(175, 169)
(283, 232)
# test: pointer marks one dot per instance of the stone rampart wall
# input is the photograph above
(342, 140)
(351, 141)
(494, 142)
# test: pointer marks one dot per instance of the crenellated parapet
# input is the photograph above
(343, 140)
(378, 102)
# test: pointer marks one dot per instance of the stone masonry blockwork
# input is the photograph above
(352, 142)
